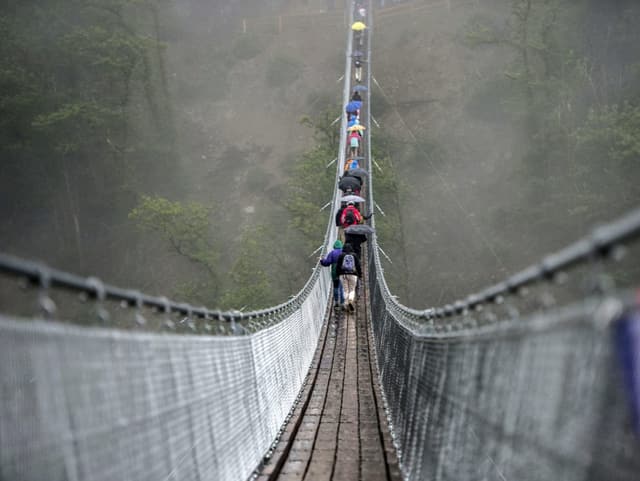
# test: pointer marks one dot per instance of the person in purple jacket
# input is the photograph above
(331, 260)
(350, 273)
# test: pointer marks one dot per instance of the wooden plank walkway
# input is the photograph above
(338, 431)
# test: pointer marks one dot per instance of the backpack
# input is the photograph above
(348, 218)
(348, 264)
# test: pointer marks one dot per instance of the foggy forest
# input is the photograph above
(180, 146)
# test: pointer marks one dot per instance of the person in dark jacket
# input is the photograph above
(357, 63)
(350, 215)
(332, 260)
(349, 270)
(348, 183)
(359, 176)
(355, 240)
(356, 96)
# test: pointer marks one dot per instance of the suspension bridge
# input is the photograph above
(472, 390)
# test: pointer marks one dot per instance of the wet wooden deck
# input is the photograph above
(338, 430)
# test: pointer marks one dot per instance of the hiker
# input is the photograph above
(352, 109)
(332, 260)
(349, 270)
(351, 164)
(356, 132)
(355, 240)
(358, 174)
(356, 96)
(354, 144)
(349, 184)
(350, 215)
(358, 69)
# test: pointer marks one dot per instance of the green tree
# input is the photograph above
(251, 280)
(309, 189)
(325, 129)
(529, 33)
(388, 190)
(72, 85)
(312, 182)
(187, 229)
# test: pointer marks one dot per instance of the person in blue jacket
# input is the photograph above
(332, 260)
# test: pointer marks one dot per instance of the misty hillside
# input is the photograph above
(180, 147)
(506, 153)
(177, 103)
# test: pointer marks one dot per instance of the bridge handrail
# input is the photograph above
(40, 274)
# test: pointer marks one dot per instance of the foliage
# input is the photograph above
(388, 188)
(186, 227)
(529, 33)
(310, 189)
(72, 124)
(75, 79)
(267, 266)
(312, 182)
(325, 131)
(552, 74)
(614, 129)
(87, 123)
(251, 276)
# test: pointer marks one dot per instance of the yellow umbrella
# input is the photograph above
(356, 127)
(358, 26)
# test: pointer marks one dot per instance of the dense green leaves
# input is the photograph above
(75, 80)
(252, 280)
(388, 194)
(309, 189)
(186, 226)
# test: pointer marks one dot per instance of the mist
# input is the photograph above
(153, 144)
(503, 162)
(195, 102)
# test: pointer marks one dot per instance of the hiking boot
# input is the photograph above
(352, 308)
